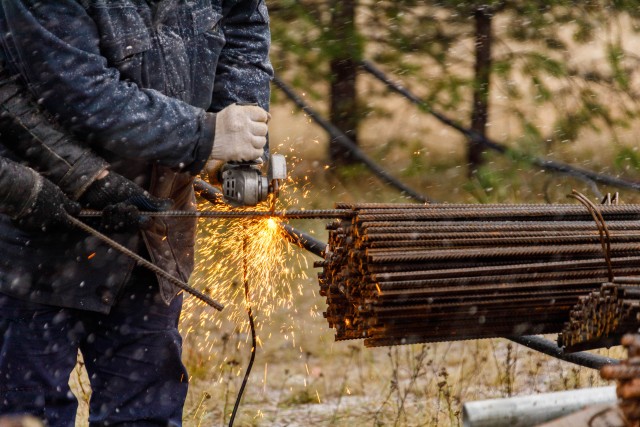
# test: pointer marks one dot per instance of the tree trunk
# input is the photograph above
(344, 68)
(480, 114)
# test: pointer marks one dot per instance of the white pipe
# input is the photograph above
(525, 411)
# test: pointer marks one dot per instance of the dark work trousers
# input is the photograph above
(132, 356)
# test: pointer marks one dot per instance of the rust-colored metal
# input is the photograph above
(398, 274)
(627, 374)
(602, 317)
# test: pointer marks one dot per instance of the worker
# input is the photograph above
(156, 89)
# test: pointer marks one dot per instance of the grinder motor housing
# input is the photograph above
(243, 183)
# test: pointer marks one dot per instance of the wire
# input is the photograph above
(583, 358)
(254, 343)
(546, 164)
(339, 137)
(143, 262)
(249, 367)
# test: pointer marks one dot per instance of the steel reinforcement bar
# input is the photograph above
(485, 270)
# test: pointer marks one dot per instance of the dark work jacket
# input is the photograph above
(133, 80)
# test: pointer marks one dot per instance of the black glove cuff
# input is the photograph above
(204, 146)
(113, 188)
(100, 193)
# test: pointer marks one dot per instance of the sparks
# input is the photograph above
(221, 249)
(275, 269)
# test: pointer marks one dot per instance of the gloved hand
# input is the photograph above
(120, 201)
(49, 210)
(241, 133)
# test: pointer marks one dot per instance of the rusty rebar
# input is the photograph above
(627, 374)
(400, 273)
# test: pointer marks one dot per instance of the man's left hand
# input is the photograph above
(121, 201)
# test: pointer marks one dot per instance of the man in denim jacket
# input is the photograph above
(152, 88)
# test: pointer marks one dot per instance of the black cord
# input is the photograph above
(546, 164)
(249, 367)
(245, 279)
(341, 138)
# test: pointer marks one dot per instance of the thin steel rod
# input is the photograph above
(292, 214)
(143, 262)
(506, 269)
(515, 252)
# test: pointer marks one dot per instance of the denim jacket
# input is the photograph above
(139, 83)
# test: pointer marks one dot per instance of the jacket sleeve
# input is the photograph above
(19, 187)
(244, 71)
(31, 136)
(54, 46)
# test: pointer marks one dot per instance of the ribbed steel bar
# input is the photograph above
(533, 268)
(402, 291)
(374, 236)
(290, 214)
(627, 373)
(143, 262)
(535, 213)
(533, 281)
(487, 226)
(602, 317)
(404, 256)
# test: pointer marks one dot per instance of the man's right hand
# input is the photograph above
(120, 200)
(241, 133)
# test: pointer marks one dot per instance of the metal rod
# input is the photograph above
(398, 274)
(292, 214)
(143, 262)
(543, 345)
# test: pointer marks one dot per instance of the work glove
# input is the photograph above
(121, 201)
(240, 134)
(48, 211)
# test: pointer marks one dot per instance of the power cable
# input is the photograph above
(338, 136)
(254, 341)
(545, 346)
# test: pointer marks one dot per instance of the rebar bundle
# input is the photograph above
(399, 274)
(601, 318)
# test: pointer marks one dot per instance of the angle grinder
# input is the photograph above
(243, 183)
